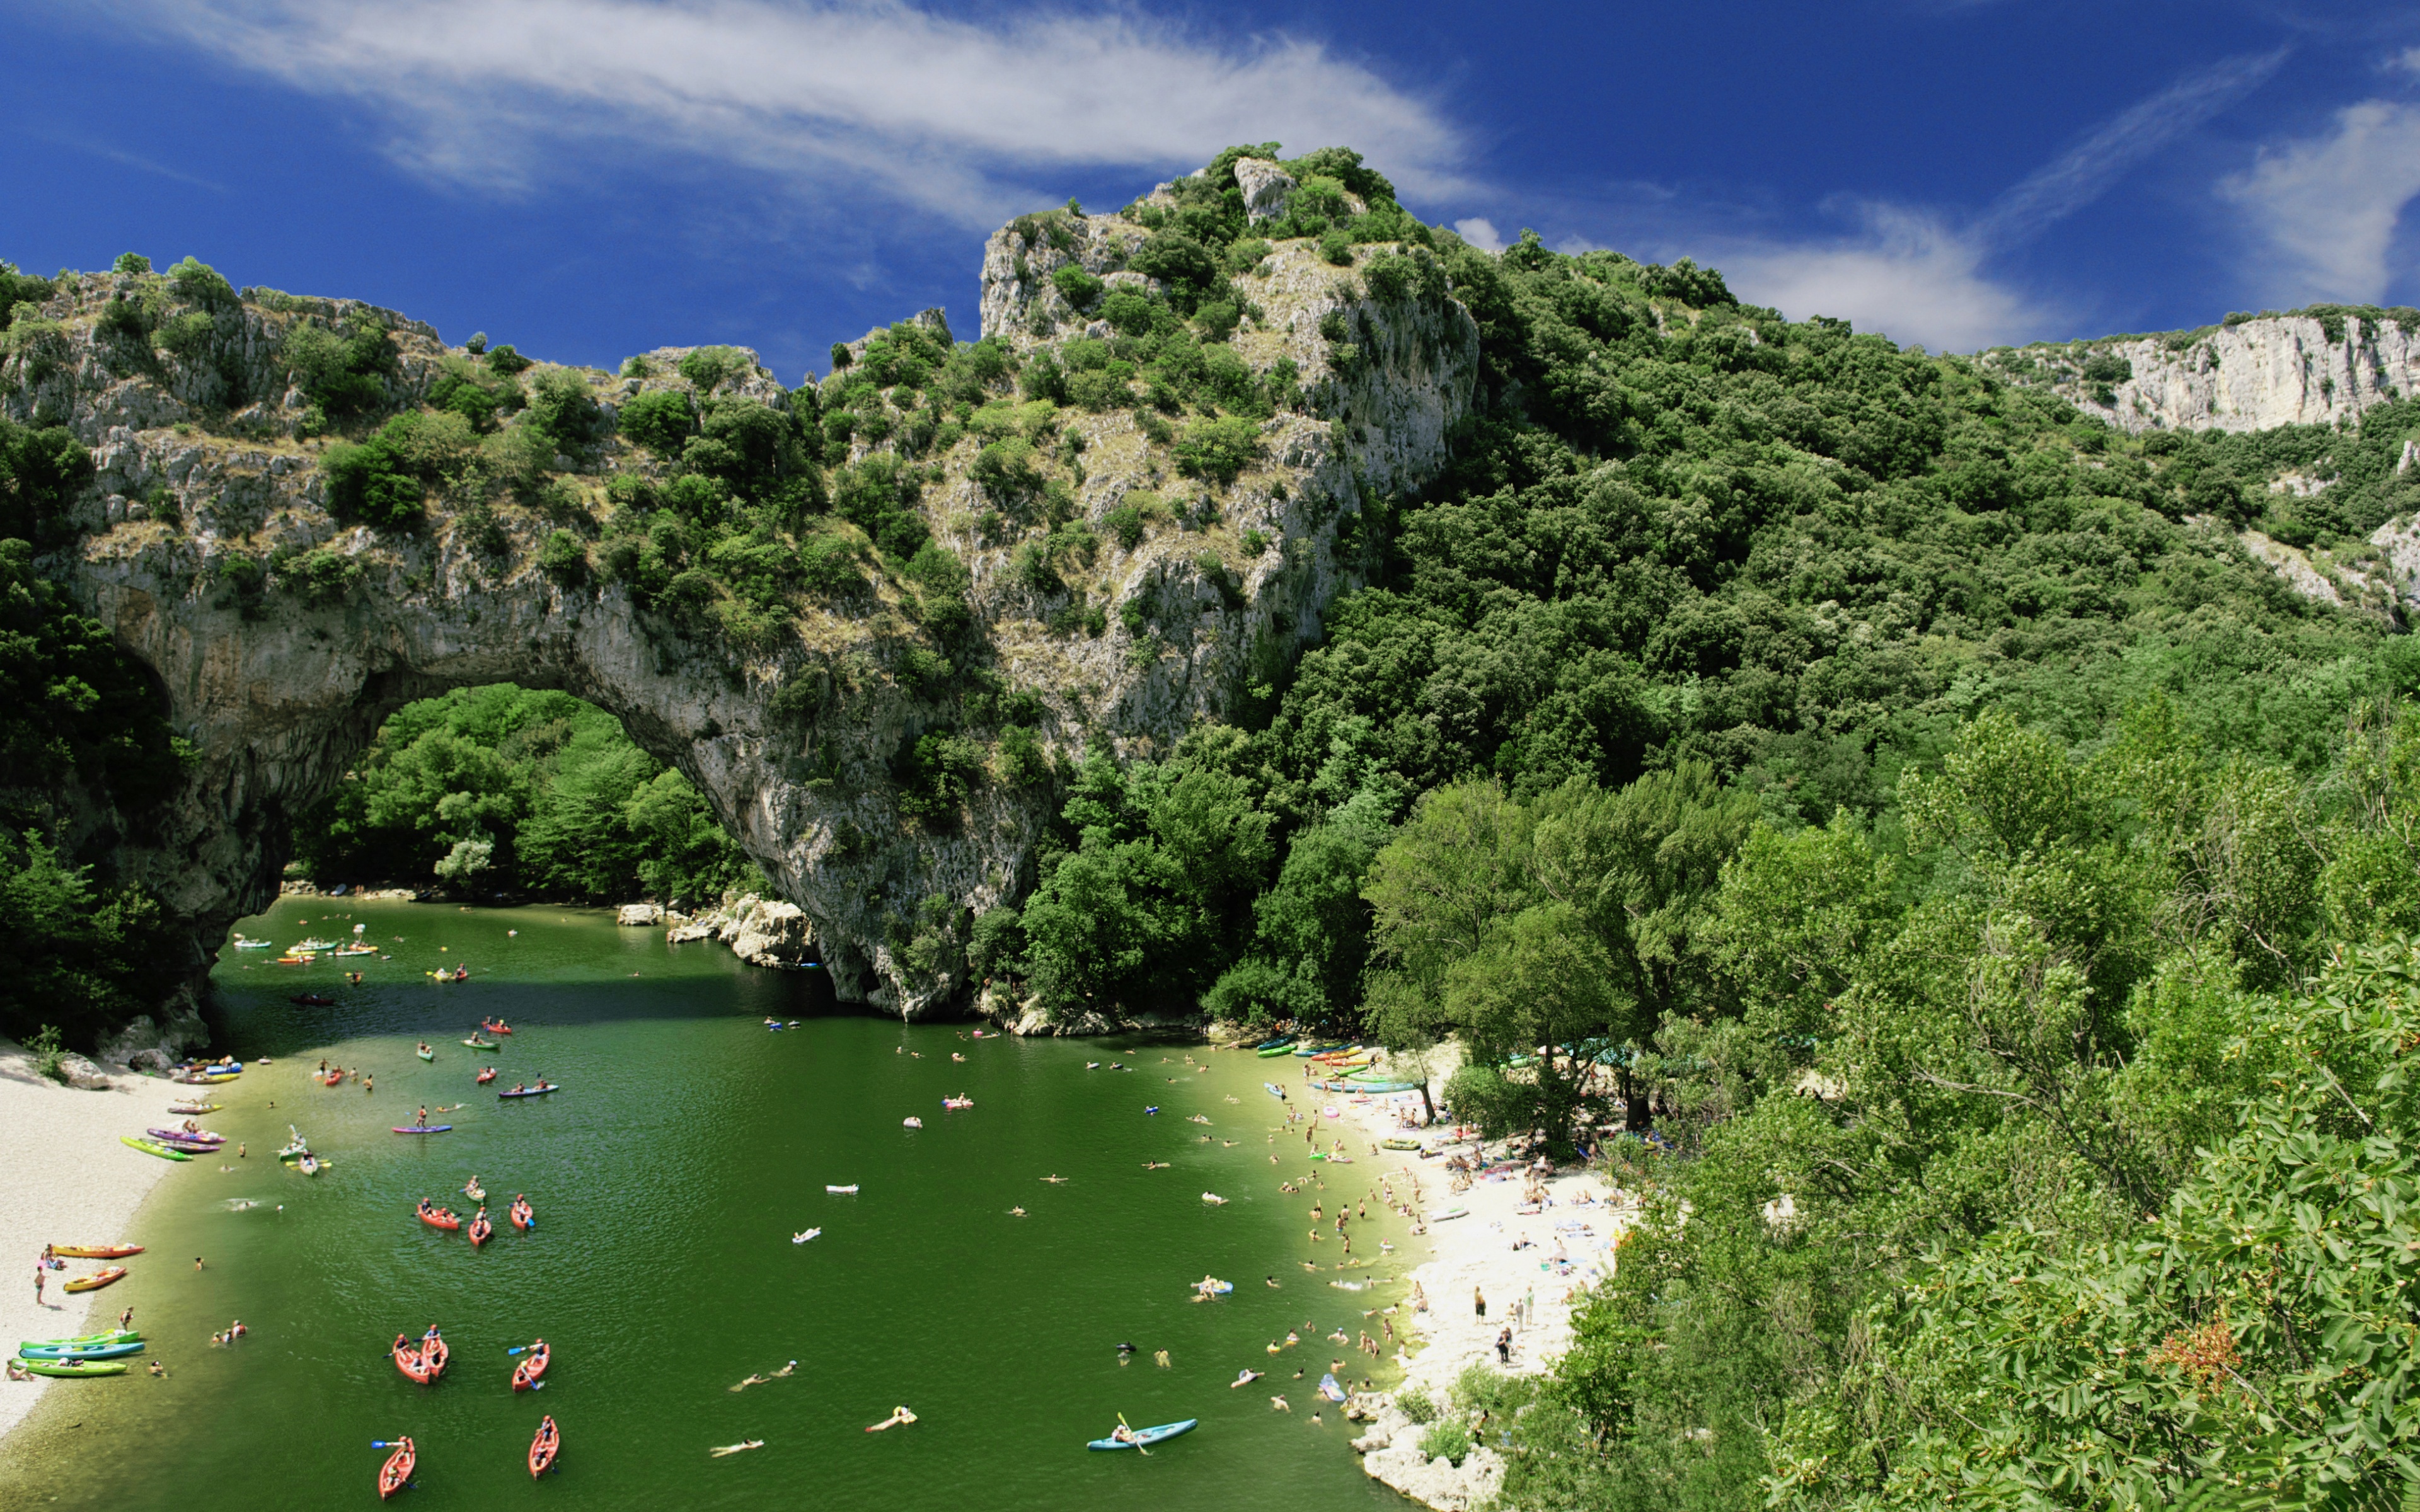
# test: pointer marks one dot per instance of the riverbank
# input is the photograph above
(70, 1182)
(1531, 1261)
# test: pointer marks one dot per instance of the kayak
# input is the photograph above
(539, 1090)
(851, 1188)
(93, 1252)
(481, 1230)
(475, 1192)
(69, 1369)
(1275, 1090)
(425, 1055)
(1268, 1048)
(439, 1218)
(522, 1215)
(425, 1128)
(425, 1362)
(498, 1026)
(184, 1137)
(152, 1147)
(97, 1280)
(544, 1447)
(485, 1076)
(396, 1472)
(1306, 1052)
(115, 1336)
(1384, 1087)
(526, 1373)
(80, 1351)
(1144, 1438)
(1451, 1212)
(193, 1110)
(477, 1044)
(1398, 1143)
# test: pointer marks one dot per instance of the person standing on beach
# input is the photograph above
(1479, 1304)
(41, 1274)
(126, 1319)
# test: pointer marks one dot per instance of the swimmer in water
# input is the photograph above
(751, 1380)
(721, 1449)
(1016, 1213)
(1244, 1378)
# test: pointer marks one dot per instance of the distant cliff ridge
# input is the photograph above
(2310, 368)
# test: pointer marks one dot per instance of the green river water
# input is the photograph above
(687, 1147)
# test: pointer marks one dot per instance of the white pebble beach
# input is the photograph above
(68, 1181)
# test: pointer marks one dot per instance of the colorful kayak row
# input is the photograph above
(93, 1354)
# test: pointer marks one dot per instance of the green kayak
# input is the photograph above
(115, 1336)
(152, 1147)
(75, 1367)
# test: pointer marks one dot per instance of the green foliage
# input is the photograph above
(1449, 1439)
(49, 1052)
(504, 362)
(384, 481)
(131, 262)
(73, 708)
(660, 420)
(1218, 448)
(79, 957)
(41, 473)
(343, 374)
(1080, 287)
(709, 368)
(518, 791)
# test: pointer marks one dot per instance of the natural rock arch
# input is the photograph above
(795, 747)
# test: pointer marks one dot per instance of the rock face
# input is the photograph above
(278, 691)
(2276, 370)
(761, 932)
(639, 915)
(1266, 188)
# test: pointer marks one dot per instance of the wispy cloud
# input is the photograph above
(2323, 210)
(1922, 275)
(134, 161)
(1906, 274)
(2062, 186)
(1481, 233)
(951, 116)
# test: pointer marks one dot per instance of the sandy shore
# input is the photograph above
(69, 1181)
(1530, 1266)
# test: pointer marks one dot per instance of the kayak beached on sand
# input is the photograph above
(80, 1351)
(1146, 1438)
(93, 1252)
(152, 1147)
(69, 1369)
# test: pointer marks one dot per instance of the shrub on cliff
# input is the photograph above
(1218, 448)
(660, 420)
(342, 374)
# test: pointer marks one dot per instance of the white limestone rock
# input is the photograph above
(1266, 186)
(639, 915)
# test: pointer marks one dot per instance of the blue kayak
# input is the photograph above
(78, 1351)
(1275, 1090)
(1146, 1438)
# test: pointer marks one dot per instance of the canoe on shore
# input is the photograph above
(97, 1280)
(1269, 1048)
(115, 1336)
(71, 1369)
(152, 1147)
(80, 1351)
(1146, 1438)
(93, 1252)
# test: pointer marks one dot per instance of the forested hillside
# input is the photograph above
(1987, 880)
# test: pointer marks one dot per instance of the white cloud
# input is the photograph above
(1480, 234)
(946, 114)
(2080, 175)
(2323, 210)
(1908, 276)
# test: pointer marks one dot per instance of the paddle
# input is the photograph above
(1129, 1427)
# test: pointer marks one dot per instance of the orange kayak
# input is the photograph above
(522, 1215)
(439, 1218)
(485, 1076)
(97, 1280)
(526, 1373)
(96, 1252)
(408, 1360)
(543, 1447)
(481, 1230)
(397, 1473)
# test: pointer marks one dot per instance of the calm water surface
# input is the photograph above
(687, 1145)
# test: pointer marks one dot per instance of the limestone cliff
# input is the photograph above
(283, 633)
(2247, 374)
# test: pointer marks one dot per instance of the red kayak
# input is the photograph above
(481, 1230)
(523, 1214)
(543, 1448)
(437, 1217)
(495, 1028)
(409, 1360)
(397, 1473)
(485, 1076)
(526, 1373)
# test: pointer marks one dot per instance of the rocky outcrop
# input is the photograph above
(796, 744)
(1391, 1453)
(1266, 186)
(639, 915)
(760, 931)
(2250, 375)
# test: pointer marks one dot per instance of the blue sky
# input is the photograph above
(591, 178)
